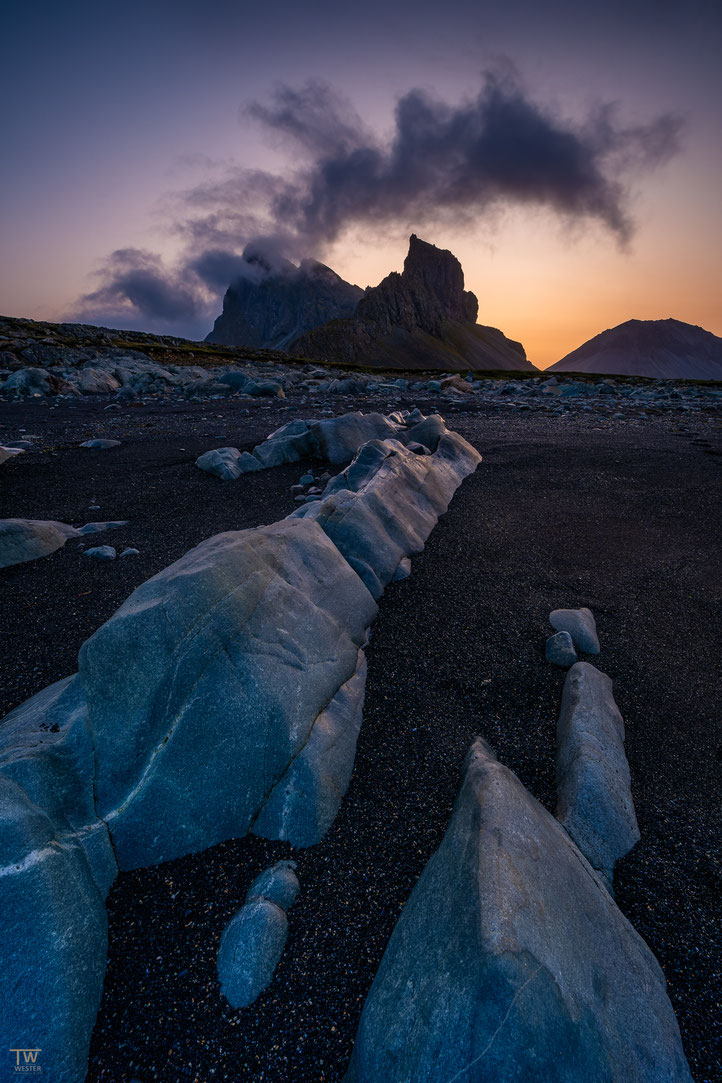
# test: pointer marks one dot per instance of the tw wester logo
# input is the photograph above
(26, 1060)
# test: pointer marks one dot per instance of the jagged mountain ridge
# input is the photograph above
(268, 307)
(421, 318)
(667, 349)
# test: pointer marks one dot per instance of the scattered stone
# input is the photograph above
(307, 479)
(101, 552)
(101, 443)
(269, 388)
(253, 941)
(251, 947)
(279, 884)
(130, 552)
(581, 626)
(594, 793)
(235, 379)
(227, 463)
(519, 963)
(560, 650)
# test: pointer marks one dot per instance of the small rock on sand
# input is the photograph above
(581, 627)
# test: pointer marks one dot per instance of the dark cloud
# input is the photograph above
(500, 147)
(136, 290)
(441, 162)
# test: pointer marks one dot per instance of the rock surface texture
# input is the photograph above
(511, 962)
(593, 783)
(223, 696)
(227, 463)
(421, 318)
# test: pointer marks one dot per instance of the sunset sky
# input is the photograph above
(171, 133)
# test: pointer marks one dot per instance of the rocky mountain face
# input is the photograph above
(268, 306)
(661, 348)
(419, 319)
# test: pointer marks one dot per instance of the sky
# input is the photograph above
(570, 155)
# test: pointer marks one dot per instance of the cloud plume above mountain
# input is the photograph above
(450, 163)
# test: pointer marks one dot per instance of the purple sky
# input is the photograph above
(127, 128)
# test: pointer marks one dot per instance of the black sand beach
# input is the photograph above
(622, 517)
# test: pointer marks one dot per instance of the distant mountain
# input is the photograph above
(267, 307)
(661, 348)
(419, 319)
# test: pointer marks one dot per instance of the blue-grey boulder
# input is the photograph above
(235, 379)
(383, 507)
(293, 441)
(101, 443)
(594, 794)
(581, 626)
(101, 552)
(560, 650)
(251, 947)
(270, 388)
(227, 463)
(279, 884)
(225, 658)
(29, 539)
(427, 432)
(338, 439)
(56, 865)
(511, 962)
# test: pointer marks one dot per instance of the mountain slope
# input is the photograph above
(419, 319)
(661, 348)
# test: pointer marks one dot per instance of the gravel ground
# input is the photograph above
(622, 517)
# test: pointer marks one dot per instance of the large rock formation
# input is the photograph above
(223, 696)
(510, 961)
(660, 348)
(419, 319)
(270, 306)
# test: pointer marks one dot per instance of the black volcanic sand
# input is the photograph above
(621, 517)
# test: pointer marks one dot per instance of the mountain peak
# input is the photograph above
(668, 349)
(419, 319)
(278, 301)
